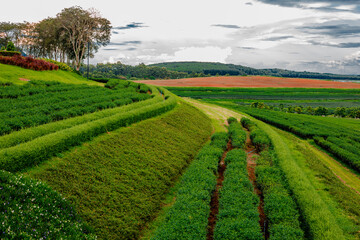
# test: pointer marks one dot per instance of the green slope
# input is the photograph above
(119, 180)
(9, 73)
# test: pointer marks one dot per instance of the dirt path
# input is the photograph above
(214, 203)
(251, 165)
(219, 115)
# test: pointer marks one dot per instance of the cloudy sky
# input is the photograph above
(305, 35)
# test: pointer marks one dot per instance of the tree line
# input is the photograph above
(71, 36)
(141, 71)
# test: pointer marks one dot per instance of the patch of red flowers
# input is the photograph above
(28, 63)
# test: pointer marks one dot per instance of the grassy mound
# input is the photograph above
(20, 75)
(118, 181)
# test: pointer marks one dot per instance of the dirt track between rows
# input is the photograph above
(251, 82)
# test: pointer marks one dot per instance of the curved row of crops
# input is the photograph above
(37, 144)
(38, 102)
(238, 216)
(280, 208)
(188, 217)
(339, 139)
(30, 209)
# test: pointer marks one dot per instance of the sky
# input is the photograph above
(301, 35)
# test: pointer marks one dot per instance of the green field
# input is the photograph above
(79, 160)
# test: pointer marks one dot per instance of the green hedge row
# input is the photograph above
(237, 134)
(188, 217)
(29, 134)
(32, 210)
(31, 153)
(340, 150)
(61, 65)
(9, 53)
(238, 216)
(280, 208)
(258, 137)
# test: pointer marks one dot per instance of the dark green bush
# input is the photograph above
(32, 210)
(9, 53)
(231, 120)
(188, 217)
(238, 216)
(237, 135)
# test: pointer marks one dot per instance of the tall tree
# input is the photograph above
(82, 27)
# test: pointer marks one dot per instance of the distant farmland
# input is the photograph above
(251, 82)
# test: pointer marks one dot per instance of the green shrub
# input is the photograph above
(188, 217)
(231, 120)
(238, 216)
(237, 135)
(34, 152)
(32, 210)
(61, 65)
(9, 53)
(10, 47)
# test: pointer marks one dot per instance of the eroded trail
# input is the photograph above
(214, 204)
(251, 165)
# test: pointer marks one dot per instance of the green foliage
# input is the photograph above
(9, 53)
(10, 47)
(188, 217)
(231, 120)
(118, 181)
(317, 128)
(341, 149)
(313, 209)
(39, 102)
(141, 71)
(34, 152)
(268, 94)
(260, 140)
(12, 74)
(61, 65)
(237, 135)
(238, 216)
(28, 134)
(280, 208)
(231, 69)
(32, 210)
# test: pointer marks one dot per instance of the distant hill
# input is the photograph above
(233, 70)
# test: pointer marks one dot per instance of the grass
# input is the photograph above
(118, 181)
(329, 178)
(32, 210)
(13, 74)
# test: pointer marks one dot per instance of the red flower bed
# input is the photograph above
(28, 63)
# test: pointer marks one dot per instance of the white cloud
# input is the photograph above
(206, 30)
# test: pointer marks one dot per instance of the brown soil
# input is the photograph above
(251, 165)
(251, 82)
(214, 203)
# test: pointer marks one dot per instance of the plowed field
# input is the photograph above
(251, 82)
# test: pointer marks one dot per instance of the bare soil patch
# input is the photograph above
(214, 203)
(251, 165)
(251, 82)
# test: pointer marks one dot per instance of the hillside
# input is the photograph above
(36, 137)
(232, 69)
(14, 74)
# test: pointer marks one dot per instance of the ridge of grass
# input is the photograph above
(13, 74)
(118, 181)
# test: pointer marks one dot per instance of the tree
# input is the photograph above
(10, 46)
(82, 27)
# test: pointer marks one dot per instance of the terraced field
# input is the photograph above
(132, 161)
